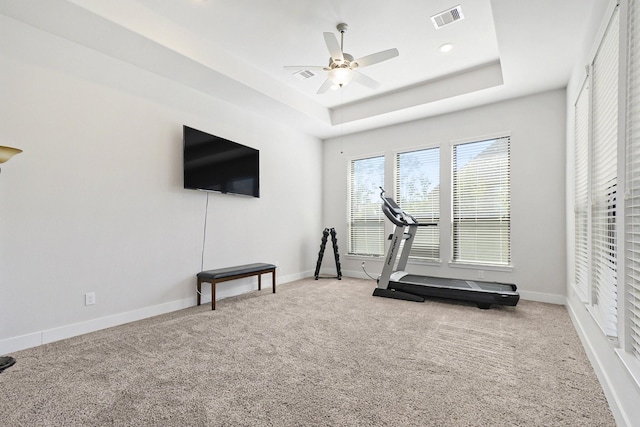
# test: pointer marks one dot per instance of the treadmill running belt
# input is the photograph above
(457, 284)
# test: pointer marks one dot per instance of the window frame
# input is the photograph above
(604, 174)
(379, 217)
(463, 263)
(395, 178)
(582, 245)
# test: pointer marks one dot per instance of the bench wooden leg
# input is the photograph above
(199, 289)
(273, 280)
(213, 295)
(259, 282)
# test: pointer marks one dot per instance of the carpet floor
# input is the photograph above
(316, 353)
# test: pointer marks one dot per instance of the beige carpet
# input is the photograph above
(316, 353)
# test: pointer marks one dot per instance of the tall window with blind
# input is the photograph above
(417, 190)
(632, 181)
(581, 200)
(482, 202)
(366, 220)
(604, 178)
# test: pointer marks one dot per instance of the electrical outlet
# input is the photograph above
(363, 263)
(90, 298)
(480, 274)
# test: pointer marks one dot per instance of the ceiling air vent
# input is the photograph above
(447, 17)
(304, 74)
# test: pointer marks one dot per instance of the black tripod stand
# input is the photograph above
(323, 244)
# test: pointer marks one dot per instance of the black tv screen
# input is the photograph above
(212, 163)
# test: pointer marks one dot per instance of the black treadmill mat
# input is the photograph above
(457, 283)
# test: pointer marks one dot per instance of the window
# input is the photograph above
(632, 193)
(581, 201)
(604, 181)
(417, 191)
(366, 220)
(482, 202)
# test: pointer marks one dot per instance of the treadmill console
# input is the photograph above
(392, 211)
(393, 206)
(395, 213)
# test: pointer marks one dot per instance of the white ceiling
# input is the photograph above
(236, 50)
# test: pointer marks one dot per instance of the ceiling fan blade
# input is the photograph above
(374, 58)
(333, 46)
(364, 80)
(306, 67)
(325, 86)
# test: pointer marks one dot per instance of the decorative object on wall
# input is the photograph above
(7, 152)
(342, 66)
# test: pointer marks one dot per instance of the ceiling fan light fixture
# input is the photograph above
(340, 76)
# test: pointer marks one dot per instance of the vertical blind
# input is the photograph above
(417, 190)
(482, 202)
(604, 178)
(366, 220)
(581, 202)
(632, 219)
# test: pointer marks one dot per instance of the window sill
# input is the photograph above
(365, 257)
(632, 364)
(489, 267)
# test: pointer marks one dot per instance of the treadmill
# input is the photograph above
(399, 284)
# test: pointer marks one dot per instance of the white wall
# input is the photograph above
(95, 203)
(620, 388)
(537, 128)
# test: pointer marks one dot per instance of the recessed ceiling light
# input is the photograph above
(446, 47)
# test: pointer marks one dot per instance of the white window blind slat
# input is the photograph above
(417, 191)
(482, 202)
(366, 221)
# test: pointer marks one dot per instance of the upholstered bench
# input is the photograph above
(232, 273)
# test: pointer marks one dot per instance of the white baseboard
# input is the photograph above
(541, 297)
(67, 331)
(46, 336)
(359, 274)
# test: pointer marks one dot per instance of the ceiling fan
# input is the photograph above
(342, 67)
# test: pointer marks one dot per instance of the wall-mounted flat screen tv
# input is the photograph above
(212, 163)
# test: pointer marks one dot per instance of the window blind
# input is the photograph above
(581, 202)
(604, 178)
(417, 190)
(482, 202)
(632, 205)
(366, 220)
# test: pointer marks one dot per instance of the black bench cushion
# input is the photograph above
(221, 273)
